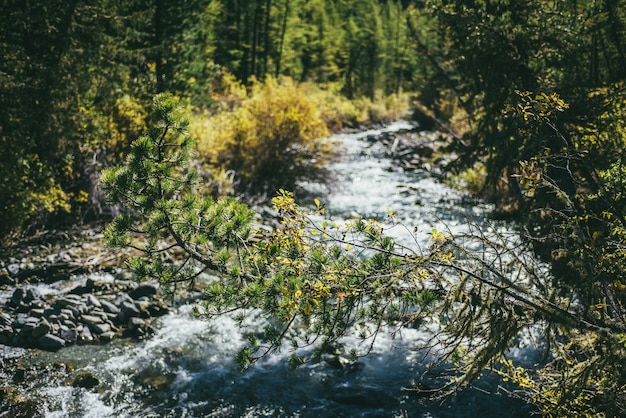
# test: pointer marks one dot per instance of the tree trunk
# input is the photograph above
(158, 45)
(281, 41)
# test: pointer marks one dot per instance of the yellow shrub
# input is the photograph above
(275, 137)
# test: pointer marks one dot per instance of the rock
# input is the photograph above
(135, 324)
(17, 297)
(5, 319)
(92, 301)
(51, 342)
(127, 311)
(6, 334)
(100, 329)
(69, 300)
(70, 335)
(158, 309)
(19, 320)
(96, 324)
(83, 379)
(85, 335)
(30, 324)
(42, 328)
(147, 289)
(6, 280)
(37, 313)
(13, 269)
(90, 284)
(109, 307)
(107, 336)
(121, 297)
(31, 295)
(91, 319)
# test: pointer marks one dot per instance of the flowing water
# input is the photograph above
(187, 369)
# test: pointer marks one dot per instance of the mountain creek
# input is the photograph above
(80, 338)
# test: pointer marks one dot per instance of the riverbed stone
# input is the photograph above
(143, 290)
(17, 296)
(109, 307)
(30, 324)
(70, 335)
(6, 334)
(91, 300)
(83, 379)
(42, 328)
(5, 319)
(127, 311)
(31, 295)
(6, 280)
(107, 336)
(70, 300)
(13, 269)
(100, 311)
(85, 335)
(91, 320)
(51, 342)
(37, 312)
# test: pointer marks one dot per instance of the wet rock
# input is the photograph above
(70, 300)
(69, 335)
(85, 335)
(13, 269)
(51, 342)
(5, 319)
(158, 309)
(93, 301)
(17, 296)
(30, 324)
(6, 334)
(127, 310)
(146, 289)
(107, 336)
(108, 307)
(6, 280)
(42, 328)
(96, 324)
(37, 312)
(100, 329)
(31, 295)
(83, 379)
(159, 382)
(14, 403)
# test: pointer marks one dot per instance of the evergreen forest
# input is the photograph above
(168, 120)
